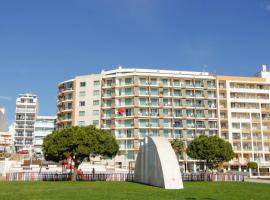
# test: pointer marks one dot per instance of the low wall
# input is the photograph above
(35, 176)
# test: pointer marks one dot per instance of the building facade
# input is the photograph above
(133, 103)
(25, 117)
(3, 121)
(44, 125)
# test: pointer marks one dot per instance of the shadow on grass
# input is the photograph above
(191, 198)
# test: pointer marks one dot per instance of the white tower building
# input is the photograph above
(25, 117)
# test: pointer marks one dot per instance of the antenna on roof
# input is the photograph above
(264, 67)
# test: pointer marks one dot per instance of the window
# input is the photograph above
(128, 91)
(165, 82)
(69, 106)
(82, 103)
(96, 102)
(153, 81)
(166, 133)
(96, 122)
(69, 96)
(81, 123)
(96, 92)
(128, 102)
(96, 83)
(143, 81)
(128, 81)
(82, 94)
(81, 113)
(108, 82)
(95, 112)
(176, 83)
(82, 84)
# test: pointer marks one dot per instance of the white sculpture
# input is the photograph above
(157, 165)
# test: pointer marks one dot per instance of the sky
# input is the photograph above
(45, 42)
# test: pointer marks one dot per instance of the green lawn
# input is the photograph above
(122, 190)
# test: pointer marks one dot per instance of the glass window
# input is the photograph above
(177, 93)
(81, 113)
(128, 102)
(143, 133)
(165, 82)
(96, 92)
(190, 134)
(177, 102)
(82, 103)
(96, 102)
(130, 155)
(143, 91)
(154, 91)
(176, 83)
(82, 94)
(153, 81)
(154, 102)
(81, 123)
(96, 122)
(128, 91)
(96, 83)
(109, 82)
(166, 133)
(82, 84)
(128, 81)
(177, 134)
(143, 81)
(95, 112)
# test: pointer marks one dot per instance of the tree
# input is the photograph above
(213, 150)
(178, 147)
(78, 143)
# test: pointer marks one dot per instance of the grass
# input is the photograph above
(129, 191)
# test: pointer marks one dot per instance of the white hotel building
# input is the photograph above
(133, 103)
(25, 117)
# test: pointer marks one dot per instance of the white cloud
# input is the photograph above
(5, 98)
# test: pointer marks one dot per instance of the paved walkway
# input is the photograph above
(257, 180)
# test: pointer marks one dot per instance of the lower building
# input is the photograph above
(44, 126)
(3, 122)
(6, 143)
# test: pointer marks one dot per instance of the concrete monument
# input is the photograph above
(157, 165)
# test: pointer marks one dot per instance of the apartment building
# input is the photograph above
(133, 103)
(5, 142)
(79, 101)
(244, 116)
(44, 125)
(3, 121)
(25, 117)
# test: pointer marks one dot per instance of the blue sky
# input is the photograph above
(45, 42)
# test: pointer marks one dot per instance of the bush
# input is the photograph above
(252, 165)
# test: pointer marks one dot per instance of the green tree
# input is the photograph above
(178, 147)
(213, 150)
(78, 143)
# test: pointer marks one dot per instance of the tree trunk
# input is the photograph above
(74, 174)
(206, 171)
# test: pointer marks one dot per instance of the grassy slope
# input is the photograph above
(118, 190)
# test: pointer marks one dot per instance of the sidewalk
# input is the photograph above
(257, 180)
